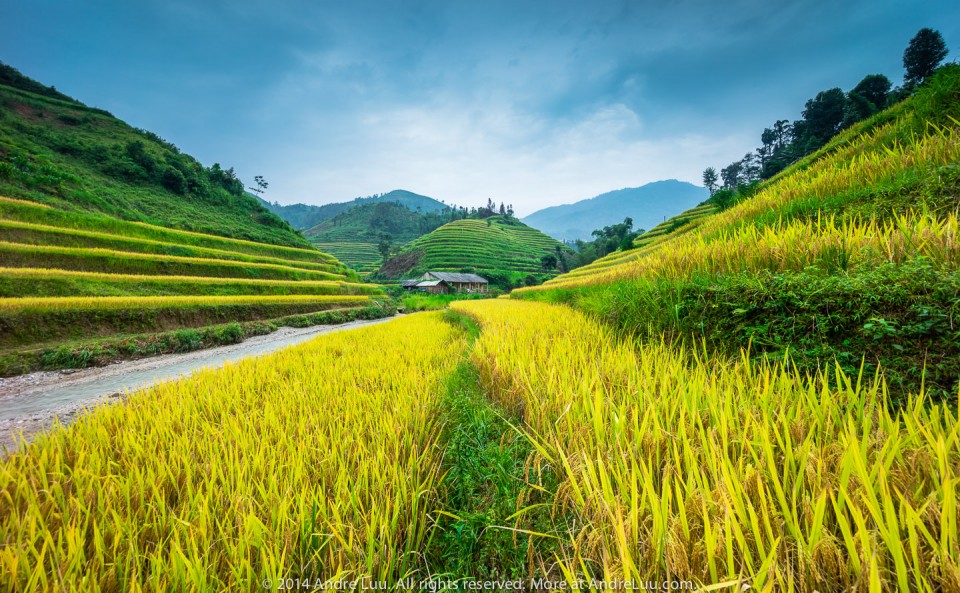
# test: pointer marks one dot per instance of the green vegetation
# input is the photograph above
(17, 282)
(26, 233)
(125, 262)
(823, 117)
(501, 248)
(371, 223)
(362, 235)
(431, 302)
(370, 232)
(38, 214)
(107, 231)
(480, 532)
(606, 240)
(362, 257)
(306, 216)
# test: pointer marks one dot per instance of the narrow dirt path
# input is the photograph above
(30, 403)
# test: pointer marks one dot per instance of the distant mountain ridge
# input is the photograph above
(647, 205)
(305, 216)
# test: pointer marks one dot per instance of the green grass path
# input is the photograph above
(489, 515)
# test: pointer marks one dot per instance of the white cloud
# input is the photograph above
(467, 153)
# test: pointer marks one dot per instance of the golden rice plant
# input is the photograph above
(80, 237)
(24, 203)
(314, 462)
(41, 252)
(789, 245)
(20, 305)
(338, 286)
(680, 465)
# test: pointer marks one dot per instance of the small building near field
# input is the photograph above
(448, 282)
(433, 286)
(459, 282)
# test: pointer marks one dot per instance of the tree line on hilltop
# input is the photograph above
(823, 116)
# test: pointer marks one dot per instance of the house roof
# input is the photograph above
(407, 283)
(461, 278)
(428, 283)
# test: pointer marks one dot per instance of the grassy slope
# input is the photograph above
(849, 255)
(80, 159)
(495, 246)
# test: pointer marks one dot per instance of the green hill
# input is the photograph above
(354, 236)
(501, 248)
(114, 244)
(305, 216)
(77, 158)
(849, 255)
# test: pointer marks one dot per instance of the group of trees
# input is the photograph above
(136, 161)
(823, 116)
(486, 211)
(606, 240)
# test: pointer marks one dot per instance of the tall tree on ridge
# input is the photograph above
(925, 52)
(710, 179)
(823, 115)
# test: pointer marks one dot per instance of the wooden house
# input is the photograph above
(447, 282)
(459, 282)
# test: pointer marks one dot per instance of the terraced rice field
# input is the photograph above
(363, 257)
(491, 244)
(610, 442)
(652, 462)
(75, 276)
(49, 282)
(32, 212)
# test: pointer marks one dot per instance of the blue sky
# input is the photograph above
(530, 102)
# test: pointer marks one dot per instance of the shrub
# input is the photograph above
(174, 180)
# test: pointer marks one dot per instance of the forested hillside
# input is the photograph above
(305, 216)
